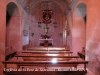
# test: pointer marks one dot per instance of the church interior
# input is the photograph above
(49, 37)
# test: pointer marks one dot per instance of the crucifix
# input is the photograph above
(46, 29)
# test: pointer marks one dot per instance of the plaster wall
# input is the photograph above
(2, 33)
(78, 34)
(14, 34)
(26, 22)
(93, 36)
(53, 32)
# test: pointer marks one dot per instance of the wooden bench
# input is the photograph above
(49, 48)
(49, 52)
(45, 57)
(67, 53)
(45, 73)
(46, 64)
(18, 62)
(42, 54)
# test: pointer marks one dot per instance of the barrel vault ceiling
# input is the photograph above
(32, 5)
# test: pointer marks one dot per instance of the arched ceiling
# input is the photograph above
(57, 6)
(61, 4)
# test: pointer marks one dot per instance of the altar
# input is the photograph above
(46, 42)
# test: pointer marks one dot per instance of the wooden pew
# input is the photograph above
(45, 62)
(55, 71)
(45, 51)
(45, 57)
(39, 52)
(67, 53)
(37, 55)
(45, 73)
(49, 52)
(49, 48)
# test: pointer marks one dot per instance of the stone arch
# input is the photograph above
(13, 26)
(11, 10)
(80, 10)
(79, 28)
